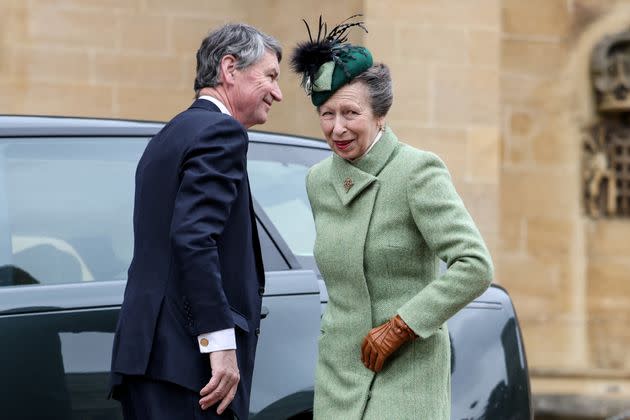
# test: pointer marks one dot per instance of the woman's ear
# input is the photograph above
(228, 67)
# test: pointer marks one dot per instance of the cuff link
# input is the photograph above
(204, 342)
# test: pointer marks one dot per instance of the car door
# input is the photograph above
(67, 240)
(287, 349)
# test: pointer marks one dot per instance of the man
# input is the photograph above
(196, 279)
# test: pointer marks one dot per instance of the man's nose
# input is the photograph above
(276, 93)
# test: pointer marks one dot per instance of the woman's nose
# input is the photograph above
(339, 126)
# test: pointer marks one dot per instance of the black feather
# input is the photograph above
(308, 56)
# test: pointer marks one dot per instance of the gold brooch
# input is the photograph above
(347, 184)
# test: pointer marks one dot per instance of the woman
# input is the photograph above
(385, 213)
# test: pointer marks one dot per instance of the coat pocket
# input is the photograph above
(239, 320)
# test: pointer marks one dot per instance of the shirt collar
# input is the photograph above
(217, 102)
(376, 139)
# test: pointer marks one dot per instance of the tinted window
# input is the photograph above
(272, 259)
(67, 207)
(277, 175)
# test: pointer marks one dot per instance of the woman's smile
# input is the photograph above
(342, 145)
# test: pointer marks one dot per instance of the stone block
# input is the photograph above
(550, 238)
(477, 13)
(185, 33)
(522, 122)
(537, 18)
(451, 101)
(432, 43)
(554, 343)
(144, 32)
(412, 99)
(482, 151)
(485, 48)
(608, 238)
(447, 143)
(72, 27)
(555, 145)
(383, 41)
(117, 5)
(155, 103)
(48, 98)
(484, 97)
(11, 98)
(533, 286)
(522, 90)
(234, 10)
(481, 201)
(609, 341)
(512, 233)
(51, 64)
(541, 59)
(608, 287)
(139, 70)
(535, 191)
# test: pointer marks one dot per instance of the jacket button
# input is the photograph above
(261, 291)
(257, 332)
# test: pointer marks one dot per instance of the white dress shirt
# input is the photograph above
(222, 339)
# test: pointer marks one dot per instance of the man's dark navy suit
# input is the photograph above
(197, 266)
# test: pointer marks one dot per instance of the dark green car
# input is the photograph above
(66, 197)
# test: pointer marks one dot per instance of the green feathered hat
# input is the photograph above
(328, 62)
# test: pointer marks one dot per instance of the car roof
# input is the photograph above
(54, 126)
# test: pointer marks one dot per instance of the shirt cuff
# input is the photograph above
(217, 341)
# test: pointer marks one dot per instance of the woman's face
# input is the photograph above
(348, 122)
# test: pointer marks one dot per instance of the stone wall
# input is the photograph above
(498, 88)
(567, 274)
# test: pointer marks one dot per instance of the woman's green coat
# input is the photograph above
(382, 224)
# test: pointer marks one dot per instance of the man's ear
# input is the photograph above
(228, 67)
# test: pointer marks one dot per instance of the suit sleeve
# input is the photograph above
(211, 174)
(450, 232)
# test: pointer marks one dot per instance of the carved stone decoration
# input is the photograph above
(610, 70)
(600, 181)
(606, 158)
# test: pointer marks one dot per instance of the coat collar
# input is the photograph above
(351, 178)
(205, 104)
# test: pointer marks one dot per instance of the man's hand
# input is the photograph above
(383, 340)
(224, 381)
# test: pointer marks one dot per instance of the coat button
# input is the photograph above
(257, 332)
(261, 291)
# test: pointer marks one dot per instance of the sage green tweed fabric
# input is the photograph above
(382, 223)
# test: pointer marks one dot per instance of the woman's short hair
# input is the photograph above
(246, 43)
(379, 83)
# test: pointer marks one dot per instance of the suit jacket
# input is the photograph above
(197, 265)
(383, 222)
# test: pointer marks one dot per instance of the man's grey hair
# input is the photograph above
(379, 83)
(246, 43)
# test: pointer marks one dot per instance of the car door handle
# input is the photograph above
(264, 312)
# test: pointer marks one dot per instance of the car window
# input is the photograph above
(277, 175)
(272, 258)
(67, 207)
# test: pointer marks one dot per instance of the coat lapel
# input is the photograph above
(350, 179)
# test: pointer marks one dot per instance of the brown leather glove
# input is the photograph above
(383, 340)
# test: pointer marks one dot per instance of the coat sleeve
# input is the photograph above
(211, 174)
(450, 232)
